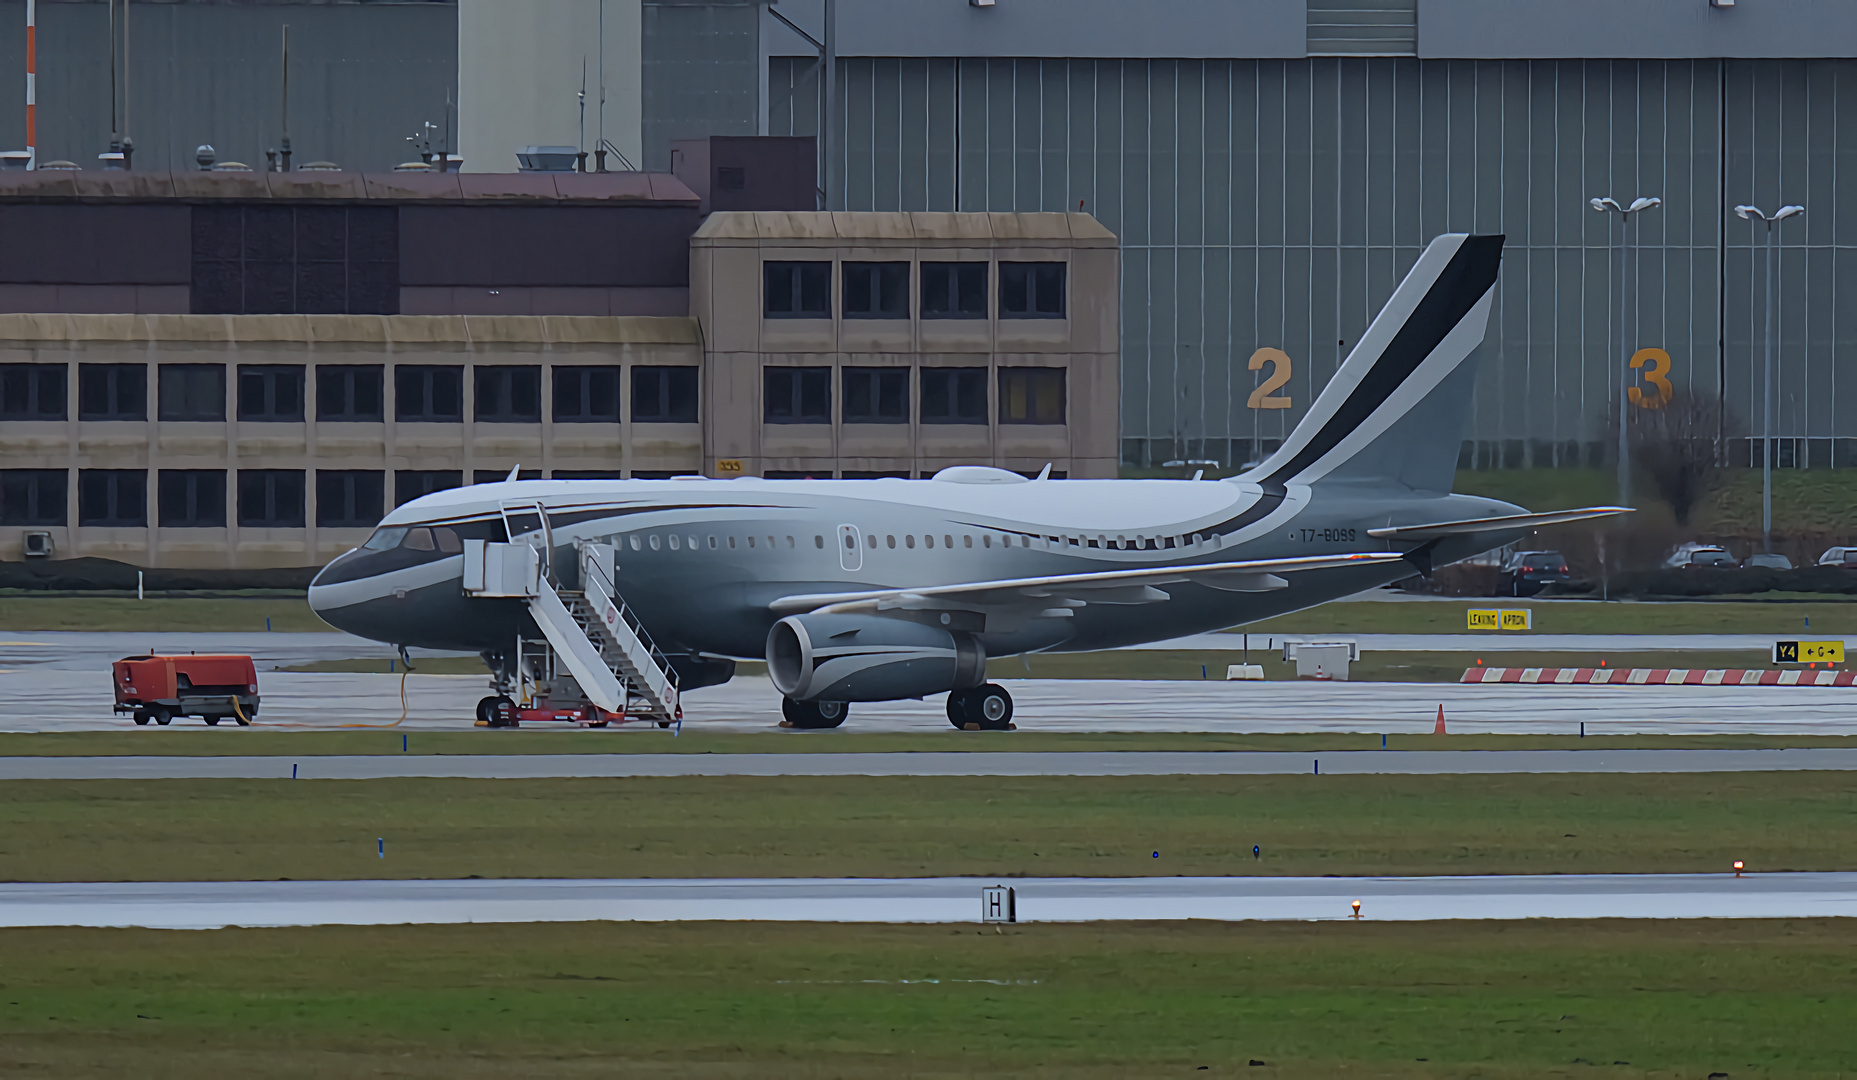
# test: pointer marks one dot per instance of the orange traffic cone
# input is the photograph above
(1438, 728)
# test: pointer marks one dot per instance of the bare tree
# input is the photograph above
(1680, 446)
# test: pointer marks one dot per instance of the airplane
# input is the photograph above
(876, 590)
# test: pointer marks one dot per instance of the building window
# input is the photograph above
(954, 290)
(1031, 395)
(497, 476)
(954, 395)
(429, 393)
(588, 474)
(876, 290)
(112, 392)
(348, 393)
(271, 498)
(112, 498)
(876, 395)
(33, 496)
(797, 290)
(271, 393)
(664, 395)
(410, 484)
(798, 395)
(586, 395)
(193, 392)
(32, 391)
(257, 259)
(192, 498)
(349, 498)
(1031, 290)
(509, 394)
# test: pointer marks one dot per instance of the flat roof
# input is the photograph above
(112, 185)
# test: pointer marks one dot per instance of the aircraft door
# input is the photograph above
(850, 548)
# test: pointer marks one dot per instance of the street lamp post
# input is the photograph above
(1751, 214)
(1607, 204)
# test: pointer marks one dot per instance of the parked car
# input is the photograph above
(1701, 557)
(1526, 573)
(1845, 557)
(1767, 561)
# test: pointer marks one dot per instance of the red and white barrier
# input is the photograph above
(1659, 676)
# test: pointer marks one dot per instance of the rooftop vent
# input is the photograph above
(412, 166)
(319, 166)
(232, 166)
(62, 165)
(15, 159)
(547, 158)
(203, 156)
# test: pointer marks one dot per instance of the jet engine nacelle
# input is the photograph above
(869, 658)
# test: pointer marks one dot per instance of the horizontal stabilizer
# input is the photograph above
(1510, 523)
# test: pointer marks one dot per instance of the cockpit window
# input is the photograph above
(441, 538)
(447, 540)
(418, 540)
(384, 540)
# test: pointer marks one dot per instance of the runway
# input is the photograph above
(211, 905)
(36, 699)
(60, 682)
(993, 763)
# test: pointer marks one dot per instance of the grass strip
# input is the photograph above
(1468, 999)
(855, 826)
(198, 741)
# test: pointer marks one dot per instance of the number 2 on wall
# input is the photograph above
(1262, 398)
(1658, 376)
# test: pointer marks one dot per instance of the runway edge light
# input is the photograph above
(1357, 910)
(1738, 867)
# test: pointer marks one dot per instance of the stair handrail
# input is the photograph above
(632, 621)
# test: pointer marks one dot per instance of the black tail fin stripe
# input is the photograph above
(1464, 280)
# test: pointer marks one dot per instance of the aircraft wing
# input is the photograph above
(1442, 529)
(1056, 595)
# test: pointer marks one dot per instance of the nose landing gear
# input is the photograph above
(981, 708)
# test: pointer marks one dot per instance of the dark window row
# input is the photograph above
(871, 395)
(880, 290)
(431, 393)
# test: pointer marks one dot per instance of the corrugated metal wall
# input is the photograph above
(701, 73)
(363, 77)
(1276, 204)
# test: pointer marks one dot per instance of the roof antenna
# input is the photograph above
(582, 147)
(1198, 473)
(1045, 473)
(513, 469)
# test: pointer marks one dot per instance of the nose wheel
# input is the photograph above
(981, 708)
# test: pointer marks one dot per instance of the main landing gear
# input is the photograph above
(981, 708)
(812, 714)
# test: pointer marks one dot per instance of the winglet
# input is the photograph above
(1045, 473)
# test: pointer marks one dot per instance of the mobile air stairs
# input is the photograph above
(594, 664)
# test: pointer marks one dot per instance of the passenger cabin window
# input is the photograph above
(508, 394)
(797, 395)
(271, 393)
(876, 395)
(954, 395)
(954, 290)
(428, 393)
(349, 393)
(1031, 290)
(1031, 395)
(797, 290)
(875, 290)
(112, 498)
(112, 392)
(193, 392)
(586, 395)
(32, 391)
(664, 395)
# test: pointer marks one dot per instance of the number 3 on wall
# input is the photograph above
(1658, 376)
(1279, 361)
